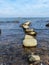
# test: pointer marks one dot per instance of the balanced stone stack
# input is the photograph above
(29, 40)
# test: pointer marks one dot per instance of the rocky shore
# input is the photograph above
(15, 54)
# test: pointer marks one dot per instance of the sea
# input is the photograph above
(12, 36)
(9, 27)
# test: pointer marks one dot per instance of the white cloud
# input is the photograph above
(24, 7)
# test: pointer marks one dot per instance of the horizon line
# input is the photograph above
(26, 17)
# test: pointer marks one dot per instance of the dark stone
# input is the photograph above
(32, 34)
(47, 25)
(0, 31)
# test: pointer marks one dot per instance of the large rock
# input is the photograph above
(34, 58)
(29, 41)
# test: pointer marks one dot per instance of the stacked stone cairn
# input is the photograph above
(30, 41)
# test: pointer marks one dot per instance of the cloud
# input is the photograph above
(14, 8)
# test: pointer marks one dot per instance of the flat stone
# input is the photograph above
(29, 30)
(32, 33)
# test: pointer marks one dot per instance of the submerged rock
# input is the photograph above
(29, 41)
(33, 58)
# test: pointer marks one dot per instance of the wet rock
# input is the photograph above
(27, 30)
(33, 58)
(25, 25)
(0, 31)
(29, 41)
(47, 25)
(30, 32)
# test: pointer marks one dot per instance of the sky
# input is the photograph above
(24, 8)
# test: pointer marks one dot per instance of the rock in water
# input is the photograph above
(29, 30)
(34, 58)
(27, 23)
(32, 33)
(29, 41)
(25, 26)
(0, 31)
(47, 25)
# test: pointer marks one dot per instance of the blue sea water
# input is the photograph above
(12, 30)
(12, 35)
(37, 23)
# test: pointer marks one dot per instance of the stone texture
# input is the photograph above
(27, 23)
(33, 57)
(29, 41)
